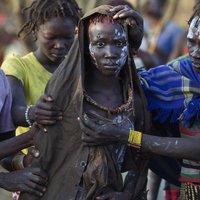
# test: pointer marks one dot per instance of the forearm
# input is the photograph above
(174, 147)
(184, 148)
(6, 163)
(18, 113)
(15, 144)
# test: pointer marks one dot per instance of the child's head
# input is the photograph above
(53, 24)
(107, 44)
(41, 11)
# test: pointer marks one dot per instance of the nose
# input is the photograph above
(59, 44)
(110, 52)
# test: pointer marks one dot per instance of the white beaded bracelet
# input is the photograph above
(27, 116)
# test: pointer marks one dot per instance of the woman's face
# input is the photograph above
(193, 43)
(108, 47)
(55, 38)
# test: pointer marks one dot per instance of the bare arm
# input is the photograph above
(187, 148)
(44, 112)
(19, 102)
(17, 143)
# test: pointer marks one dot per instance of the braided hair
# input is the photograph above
(41, 11)
(196, 12)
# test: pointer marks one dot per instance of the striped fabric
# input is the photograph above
(173, 90)
(190, 170)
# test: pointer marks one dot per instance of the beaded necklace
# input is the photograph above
(117, 110)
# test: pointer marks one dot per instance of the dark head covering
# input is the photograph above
(62, 153)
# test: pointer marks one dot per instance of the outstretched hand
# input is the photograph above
(31, 180)
(98, 134)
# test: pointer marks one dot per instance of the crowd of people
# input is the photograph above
(92, 120)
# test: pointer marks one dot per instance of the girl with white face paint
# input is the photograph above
(107, 96)
(108, 47)
(176, 85)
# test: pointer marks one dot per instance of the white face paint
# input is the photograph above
(91, 49)
(124, 53)
(193, 43)
(108, 47)
(194, 29)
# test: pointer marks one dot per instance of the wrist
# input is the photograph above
(29, 116)
(122, 135)
(32, 113)
(135, 138)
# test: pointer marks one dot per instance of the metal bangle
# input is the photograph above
(27, 116)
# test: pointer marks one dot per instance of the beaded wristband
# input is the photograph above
(27, 117)
(18, 161)
(135, 138)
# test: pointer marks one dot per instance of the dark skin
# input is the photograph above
(54, 39)
(187, 148)
(176, 147)
(106, 89)
(31, 180)
(46, 112)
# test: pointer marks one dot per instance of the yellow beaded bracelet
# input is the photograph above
(135, 138)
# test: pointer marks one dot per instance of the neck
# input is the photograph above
(96, 80)
(45, 62)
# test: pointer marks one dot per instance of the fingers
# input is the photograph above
(103, 197)
(46, 122)
(124, 11)
(46, 112)
(31, 180)
(47, 98)
(90, 141)
(47, 105)
(34, 152)
(37, 180)
(31, 188)
(87, 122)
(87, 133)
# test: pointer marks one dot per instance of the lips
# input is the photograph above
(59, 55)
(111, 67)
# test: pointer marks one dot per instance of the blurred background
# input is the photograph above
(177, 11)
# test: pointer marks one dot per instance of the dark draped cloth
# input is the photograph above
(62, 153)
